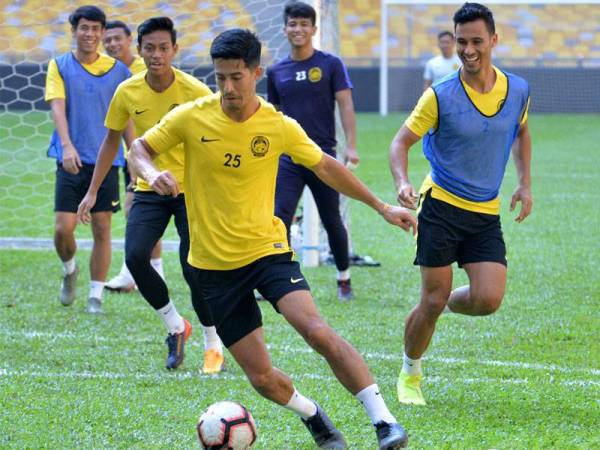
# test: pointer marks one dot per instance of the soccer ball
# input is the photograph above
(226, 426)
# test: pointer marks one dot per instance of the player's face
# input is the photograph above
(88, 34)
(236, 82)
(299, 31)
(116, 43)
(446, 45)
(474, 45)
(158, 51)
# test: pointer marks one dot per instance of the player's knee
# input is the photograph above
(433, 307)
(320, 337)
(101, 232)
(434, 301)
(62, 231)
(487, 300)
(261, 381)
(135, 258)
(489, 303)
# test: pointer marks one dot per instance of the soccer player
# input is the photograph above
(469, 122)
(440, 66)
(117, 41)
(145, 98)
(306, 85)
(79, 86)
(232, 141)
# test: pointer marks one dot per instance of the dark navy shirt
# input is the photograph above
(305, 90)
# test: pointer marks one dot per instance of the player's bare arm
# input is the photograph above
(348, 117)
(106, 156)
(71, 161)
(140, 160)
(401, 144)
(337, 176)
(522, 157)
(129, 133)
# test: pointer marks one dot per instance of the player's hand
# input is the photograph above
(402, 217)
(352, 158)
(522, 194)
(83, 211)
(71, 162)
(163, 183)
(407, 196)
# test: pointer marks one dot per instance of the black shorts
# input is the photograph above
(70, 189)
(230, 293)
(447, 234)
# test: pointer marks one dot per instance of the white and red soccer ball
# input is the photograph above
(226, 426)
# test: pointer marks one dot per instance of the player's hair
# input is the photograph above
(88, 12)
(469, 12)
(299, 10)
(112, 24)
(237, 44)
(441, 34)
(156, 24)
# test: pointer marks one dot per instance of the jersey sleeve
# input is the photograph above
(299, 146)
(428, 73)
(425, 115)
(55, 86)
(170, 131)
(201, 90)
(272, 94)
(340, 79)
(118, 114)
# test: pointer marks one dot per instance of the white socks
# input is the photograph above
(212, 340)
(301, 405)
(343, 275)
(411, 366)
(69, 266)
(156, 263)
(96, 289)
(126, 273)
(171, 318)
(373, 402)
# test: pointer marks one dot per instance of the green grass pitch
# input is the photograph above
(527, 377)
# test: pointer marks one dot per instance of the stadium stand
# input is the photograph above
(557, 34)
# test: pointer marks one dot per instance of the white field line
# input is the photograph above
(22, 243)
(38, 372)
(292, 349)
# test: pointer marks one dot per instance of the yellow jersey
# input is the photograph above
(134, 99)
(137, 65)
(425, 117)
(55, 86)
(230, 173)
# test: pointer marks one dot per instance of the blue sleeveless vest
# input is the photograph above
(87, 99)
(468, 151)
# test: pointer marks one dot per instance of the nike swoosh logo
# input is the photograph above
(114, 203)
(140, 112)
(204, 139)
(294, 281)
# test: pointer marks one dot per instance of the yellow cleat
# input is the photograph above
(409, 389)
(213, 361)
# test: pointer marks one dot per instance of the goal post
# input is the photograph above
(327, 39)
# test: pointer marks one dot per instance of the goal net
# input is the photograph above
(555, 45)
(33, 32)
